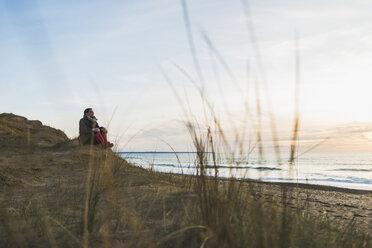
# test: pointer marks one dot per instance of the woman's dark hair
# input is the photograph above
(87, 110)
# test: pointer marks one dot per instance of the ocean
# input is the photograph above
(347, 170)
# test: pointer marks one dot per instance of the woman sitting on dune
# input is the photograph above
(90, 132)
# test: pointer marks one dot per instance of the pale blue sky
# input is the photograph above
(59, 57)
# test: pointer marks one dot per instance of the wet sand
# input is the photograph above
(341, 205)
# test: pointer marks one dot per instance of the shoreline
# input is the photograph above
(347, 176)
(316, 187)
(287, 184)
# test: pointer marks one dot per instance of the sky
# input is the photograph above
(122, 58)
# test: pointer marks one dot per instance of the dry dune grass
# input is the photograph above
(64, 195)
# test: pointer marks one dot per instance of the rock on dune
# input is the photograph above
(17, 131)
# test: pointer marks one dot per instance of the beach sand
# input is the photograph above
(340, 205)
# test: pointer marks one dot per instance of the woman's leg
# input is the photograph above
(101, 139)
(108, 144)
(104, 137)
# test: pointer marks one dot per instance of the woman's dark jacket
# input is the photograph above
(86, 134)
